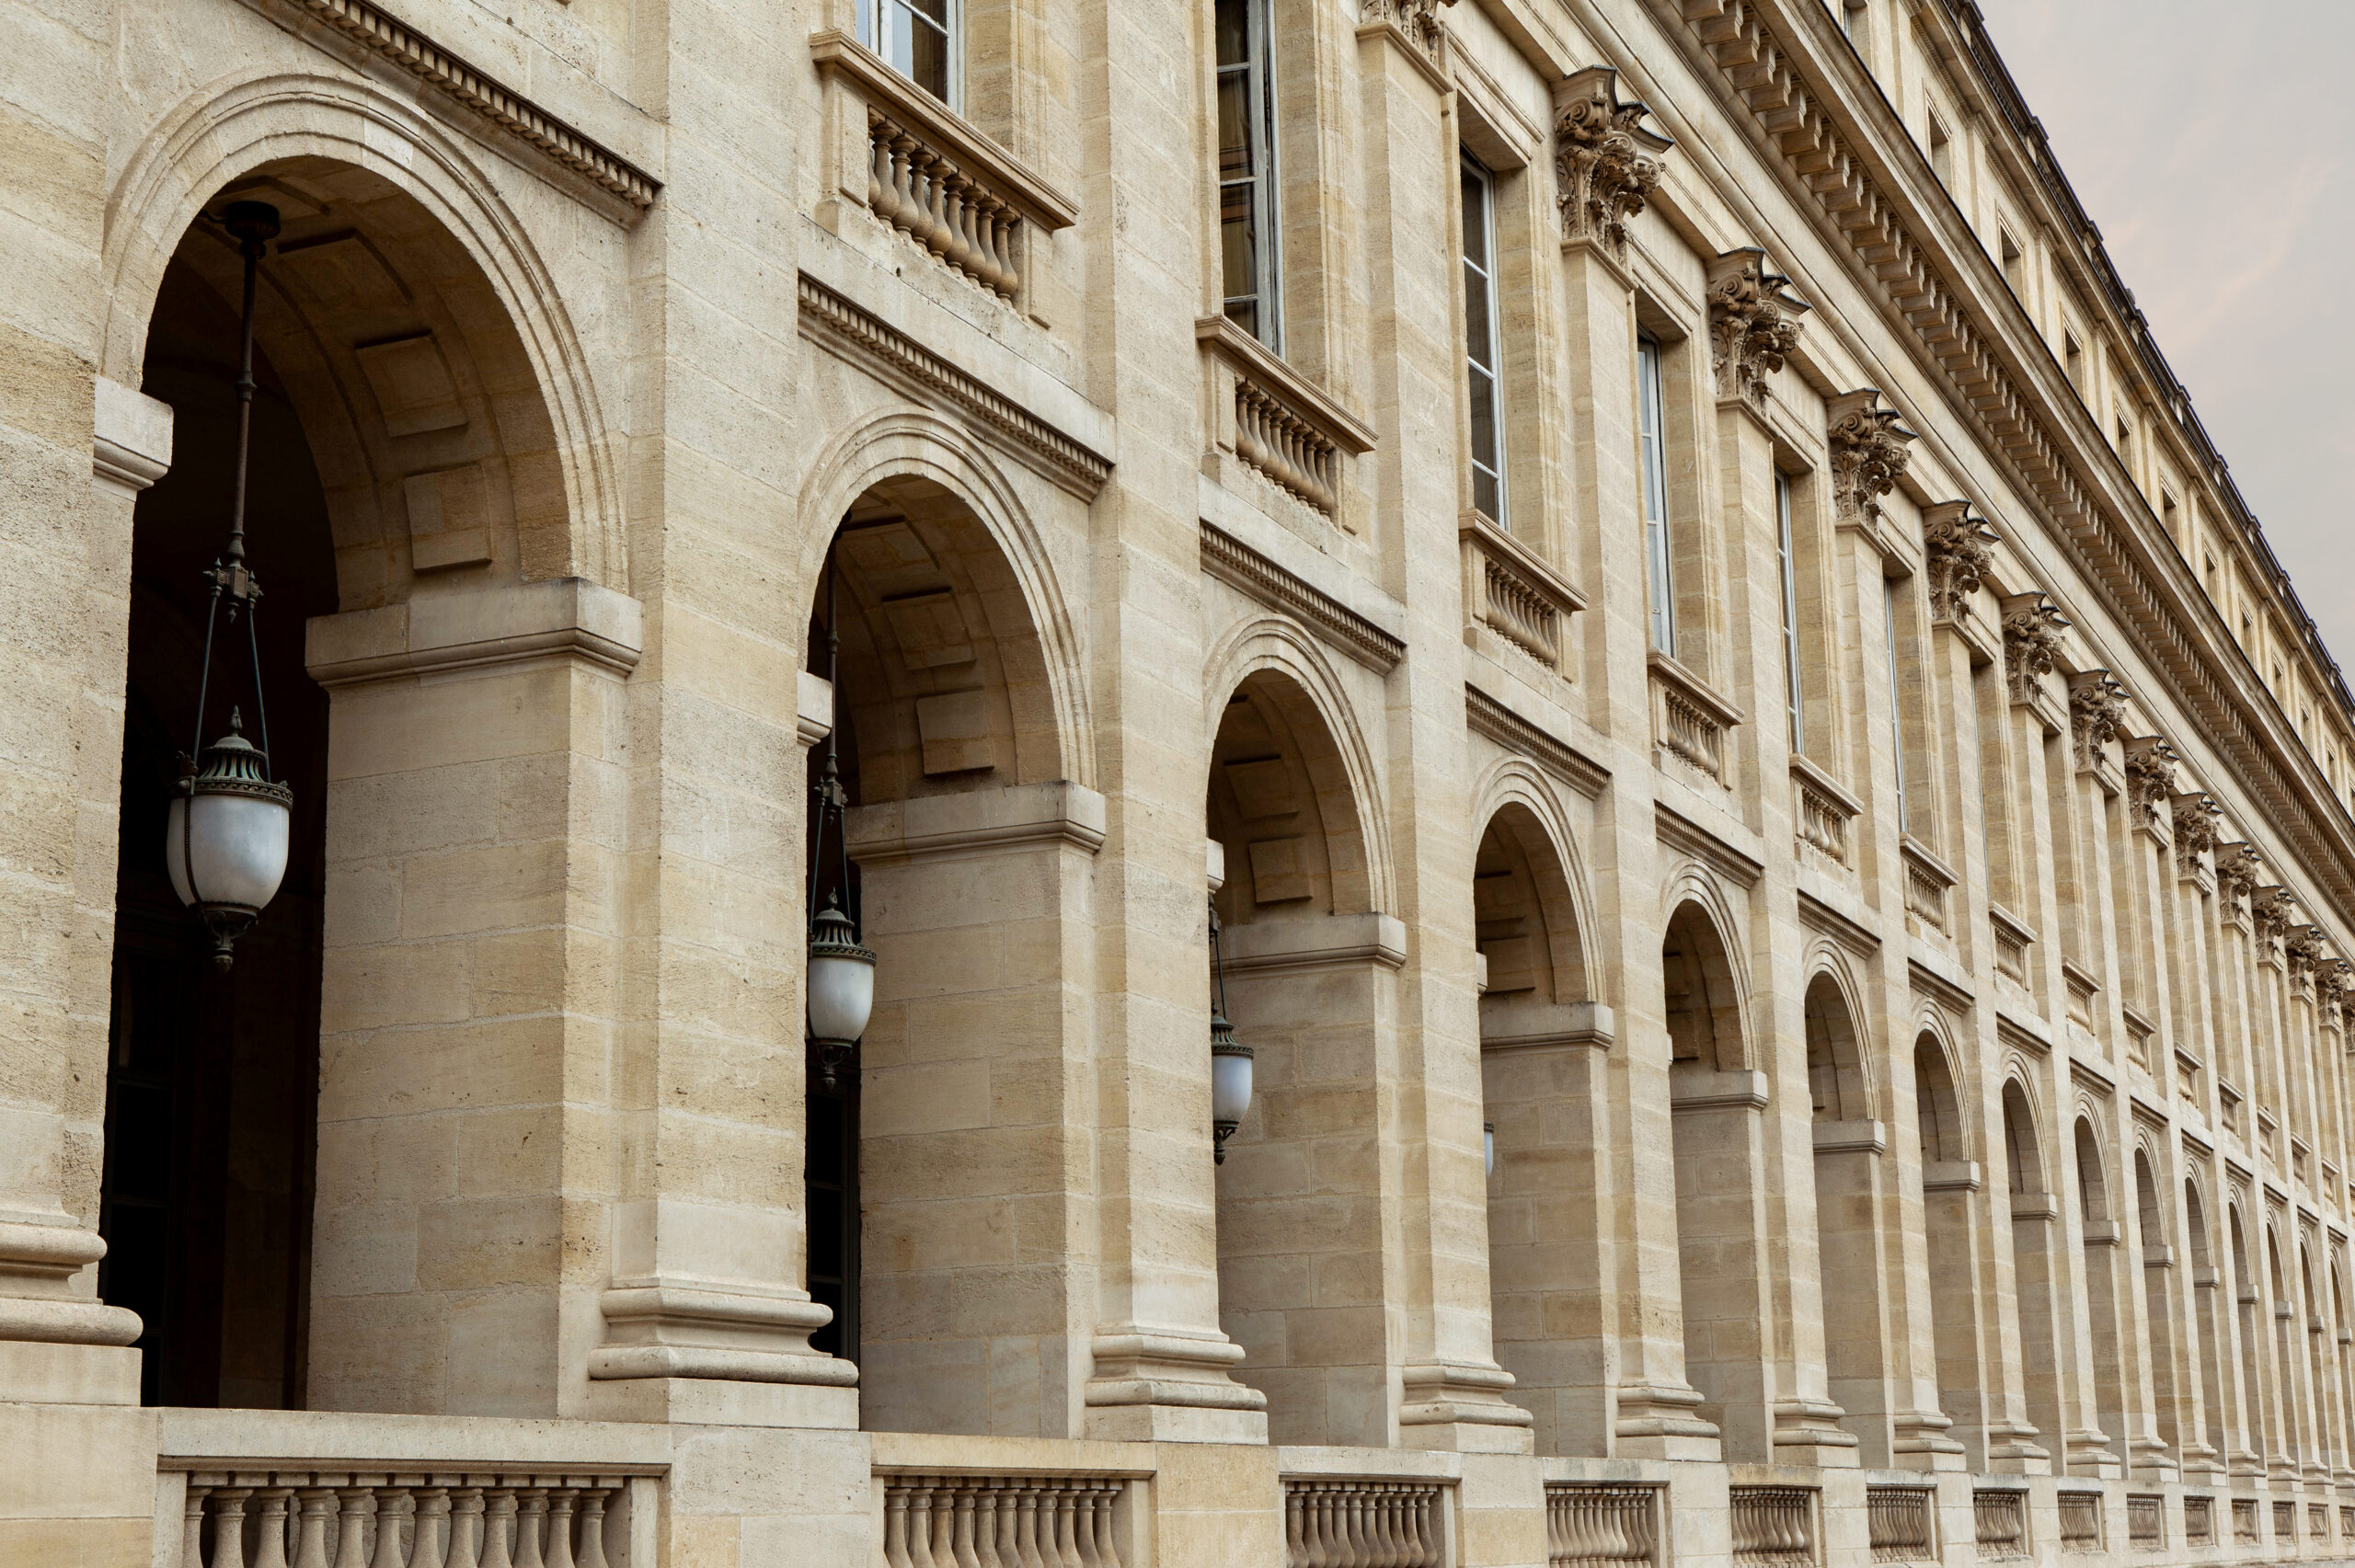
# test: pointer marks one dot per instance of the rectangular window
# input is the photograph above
(1941, 150)
(1480, 343)
(2072, 360)
(2015, 265)
(1247, 186)
(1896, 685)
(1788, 556)
(916, 38)
(1652, 415)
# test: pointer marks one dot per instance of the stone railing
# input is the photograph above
(1821, 811)
(1593, 1524)
(2285, 1525)
(930, 173)
(2001, 1522)
(1000, 1521)
(2146, 1523)
(2245, 1530)
(1691, 725)
(2198, 1521)
(2317, 1522)
(1897, 1519)
(2081, 1521)
(1926, 881)
(1513, 593)
(1342, 1522)
(1773, 1526)
(2012, 941)
(1275, 420)
(305, 1518)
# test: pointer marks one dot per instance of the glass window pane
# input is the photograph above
(1487, 493)
(1475, 220)
(1235, 125)
(928, 59)
(1483, 422)
(1479, 330)
(1232, 29)
(1238, 240)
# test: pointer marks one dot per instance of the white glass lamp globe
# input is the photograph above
(1489, 1147)
(1230, 1084)
(841, 980)
(226, 839)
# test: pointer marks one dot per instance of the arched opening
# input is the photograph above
(2345, 1374)
(2158, 1301)
(2321, 1422)
(2106, 1407)
(1542, 1067)
(1949, 1181)
(1718, 1106)
(2207, 1369)
(2035, 1212)
(399, 450)
(1848, 1144)
(2287, 1432)
(2257, 1413)
(941, 1223)
(1302, 1265)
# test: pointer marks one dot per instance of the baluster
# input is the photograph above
(961, 1543)
(429, 1527)
(391, 1503)
(229, 1527)
(944, 1522)
(985, 1525)
(559, 1550)
(466, 1528)
(1026, 1528)
(895, 1525)
(921, 1523)
(1074, 1539)
(192, 1524)
(879, 167)
(531, 1513)
(498, 1525)
(908, 207)
(351, 1525)
(1108, 1547)
(269, 1526)
(592, 1528)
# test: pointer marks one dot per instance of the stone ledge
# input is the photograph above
(560, 619)
(976, 822)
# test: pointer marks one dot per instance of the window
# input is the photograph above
(2015, 262)
(1480, 342)
(2125, 440)
(2072, 360)
(1652, 414)
(1896, 708)
(1786, 557)
(2170, 516)
(916, 38)
(1941, 149)
(1247, 186)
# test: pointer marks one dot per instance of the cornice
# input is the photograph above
(1836, 167)
(1490, 717)
(1234, 563)
(382, 34)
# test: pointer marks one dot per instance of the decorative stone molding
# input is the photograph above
(1275, 420)
(2096, 706)
(2032, 630)
(130, 436)
(556, 619)
(976, 824)
(380, 33)
(666, 1328)
(2150, 781)
(2334, 980)
(1606, 162)
(1234, 563)
(1868, 453)
(1513, 593)
(2193, 819)
(830, 318)
(1927, 878)
(1752, 324)
(1490, 717)
(1821, 811)
(1691, 723)
(2012, 939)
(1418, 21)
(1956, 543)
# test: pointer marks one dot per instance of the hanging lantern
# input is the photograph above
(1489, 1147)
(226, 837)
(841, 976)
(1230, 1060)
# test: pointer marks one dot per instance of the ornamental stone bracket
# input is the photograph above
(2195, 818)
(2150, 782)
(1417, 22)
(1956, 543)
(1606, 162)
(2096, 706)
(2032, 629)
(1869, 455)
(1752, 324)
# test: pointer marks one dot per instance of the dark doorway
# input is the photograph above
(212, 1083)
(830, 1159)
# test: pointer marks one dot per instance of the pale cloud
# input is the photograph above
(2213, 144)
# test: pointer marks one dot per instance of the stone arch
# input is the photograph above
(1839, 1060)
(2257, 1417)
(2287, 1432)
(2097, 1206)
(1945, 1136)
(967, 512)
(1290, 674)
(2207, 1376)
(1706, 996)
(2035, 1215)
(1848, 1141)
(505, 348)
(2154, 1226)
(1949, 1183)
(1515, 805)
(2023, 1140)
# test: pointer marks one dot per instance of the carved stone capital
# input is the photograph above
(2237, 866)
(2195, 815)
(2333, 982)
(1868, 453)
(1418, 19)
(2303, 949)
(2271, 910)
(1752, 324)
(2097, 703)
(1957, 545)
(2149, 779)
(1606, 162)
(2032, 629)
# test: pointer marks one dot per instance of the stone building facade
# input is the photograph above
(1781, 843)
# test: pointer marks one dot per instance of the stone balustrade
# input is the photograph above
(2146, 1523)
(305, 1518)
(1821, 812)
(2000, 1521)
(1509, 592)
(1692, 725)
(1349, 1522)
(1276, 422)
(1000, 1521)
(1926, 881)
(2198, 1521)
(2081, 1521)
(1773, 1526)
(1898, 1519)
(1590, 1525)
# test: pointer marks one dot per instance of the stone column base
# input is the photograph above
(1167, 1386)
(1459, 1407)
(1657, 1421)
(1924, 1441)
(679, 1352)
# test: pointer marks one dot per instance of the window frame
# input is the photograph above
(1259, 97)
(1651, 438)
(1473, 173)
(1787, 548)
(868, 15)
(1896, 699)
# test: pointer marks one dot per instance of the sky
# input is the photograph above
(2212, 142)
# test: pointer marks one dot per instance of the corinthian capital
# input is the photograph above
(2032, 629)
(1957, 545)
(2302, 949)
(1752, 324)
(2097, 703)
(2271, 910)
(1606, 162)
(2150, 778)
(2196, 817)
(1417, 20)
(2236, 871)
(1868, 453)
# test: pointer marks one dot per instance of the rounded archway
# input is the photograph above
(1848, 1149)
(1950, 1183)
(2035, 1215)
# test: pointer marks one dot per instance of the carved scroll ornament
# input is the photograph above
(1956, 546)
(1606, 162)
(2149, 779)
(2097, 704)
(2195, 815)
(2032, 629)
(1868, 453)
(1752, 324)
(1418, 19)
